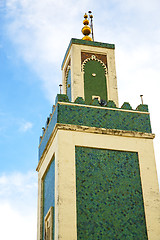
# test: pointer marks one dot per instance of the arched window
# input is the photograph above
(94, 80)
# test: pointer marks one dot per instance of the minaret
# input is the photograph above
(89, 69)
(96, 172)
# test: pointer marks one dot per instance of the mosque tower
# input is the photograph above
(97, 175)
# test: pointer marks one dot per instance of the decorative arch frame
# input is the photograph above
(93, 57)
(66, 76)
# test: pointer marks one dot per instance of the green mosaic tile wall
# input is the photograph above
(94, 85)
(104, 118)
(48, 133)
(109, 195)
(96, 117)
(49, 192)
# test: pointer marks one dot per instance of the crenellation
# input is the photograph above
(126, 105)
(109, 116)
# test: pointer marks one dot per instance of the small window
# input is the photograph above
(96, 97)
(49, 225)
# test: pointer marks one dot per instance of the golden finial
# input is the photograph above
(86, 30)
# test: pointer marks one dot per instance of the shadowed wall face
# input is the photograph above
(49, 192)
(109, 195)
(68, 87)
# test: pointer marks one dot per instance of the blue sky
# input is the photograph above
(34, 36)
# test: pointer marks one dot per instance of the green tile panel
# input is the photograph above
(104, 118)
(109, 195)
(94, 115)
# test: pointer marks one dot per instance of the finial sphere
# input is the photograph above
(87, 38)
(85, 15)
(86, 30)
(85, 21)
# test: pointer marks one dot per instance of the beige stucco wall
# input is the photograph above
(77, 79)
(62, 144)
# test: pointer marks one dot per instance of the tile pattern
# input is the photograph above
(111, 104)
(126, 105)
(142, 108)
(95, 102)
(48, 132)
(79, 100)
(104, 118)
(109, 195)
(61, 98)
(96, 117)
(49, 191)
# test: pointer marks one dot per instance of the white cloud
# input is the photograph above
(25, 126)
(8, 121)
(41, 31)
(14, 225)
(18, 204)
(138, 5)
(18, 188)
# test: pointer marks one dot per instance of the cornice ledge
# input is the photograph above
(116, 132)
(69, 127)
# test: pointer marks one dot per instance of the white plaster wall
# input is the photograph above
(64, 148)
(77, 80)
(68, 140)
